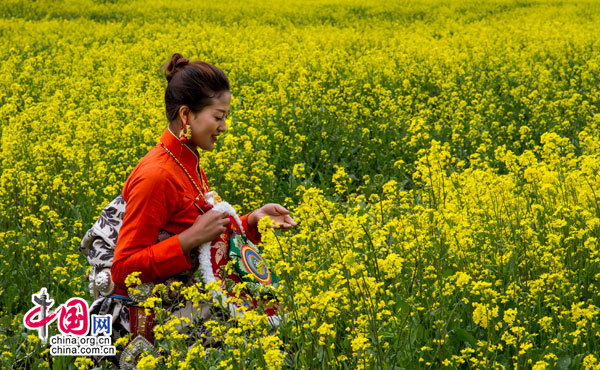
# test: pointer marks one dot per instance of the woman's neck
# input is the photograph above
(192, 147)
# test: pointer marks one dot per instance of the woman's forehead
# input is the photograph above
(221, 102)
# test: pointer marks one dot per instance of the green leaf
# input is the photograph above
(563, 363)
(465, 336)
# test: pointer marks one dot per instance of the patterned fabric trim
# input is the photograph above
(140, 323)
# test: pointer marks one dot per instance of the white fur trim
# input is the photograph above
(208, 274)
(224, 207)
(209, 197)
(206, 266)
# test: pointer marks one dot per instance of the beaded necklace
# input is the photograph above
(205, 187)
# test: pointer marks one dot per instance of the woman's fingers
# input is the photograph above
(279, 216)
(281, 209)
(290, 221)
(284, 222)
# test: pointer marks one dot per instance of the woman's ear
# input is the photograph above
(183, 112)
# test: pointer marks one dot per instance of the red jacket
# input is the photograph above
(159, 196)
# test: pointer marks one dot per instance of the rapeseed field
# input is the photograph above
(441, 158)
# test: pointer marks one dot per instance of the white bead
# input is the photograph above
(104, 283)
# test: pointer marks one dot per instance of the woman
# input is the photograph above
(168, 211)
(165, 192)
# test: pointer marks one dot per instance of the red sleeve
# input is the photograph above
(147, 211)
(251, 232)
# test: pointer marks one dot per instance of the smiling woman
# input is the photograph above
(168, 222)
(201, 89)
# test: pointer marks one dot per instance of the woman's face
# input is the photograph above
(209, 123)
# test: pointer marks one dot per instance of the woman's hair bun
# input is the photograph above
(175, 64)
(193, 84)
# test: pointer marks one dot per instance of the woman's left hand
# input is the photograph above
(276, 212)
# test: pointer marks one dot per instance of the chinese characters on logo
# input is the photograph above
(72, 317)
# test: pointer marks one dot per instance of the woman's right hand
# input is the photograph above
(205, 228)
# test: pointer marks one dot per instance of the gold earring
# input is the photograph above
(185, 134)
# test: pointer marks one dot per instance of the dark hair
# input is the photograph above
(193, 84)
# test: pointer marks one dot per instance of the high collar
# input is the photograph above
(187, 156)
